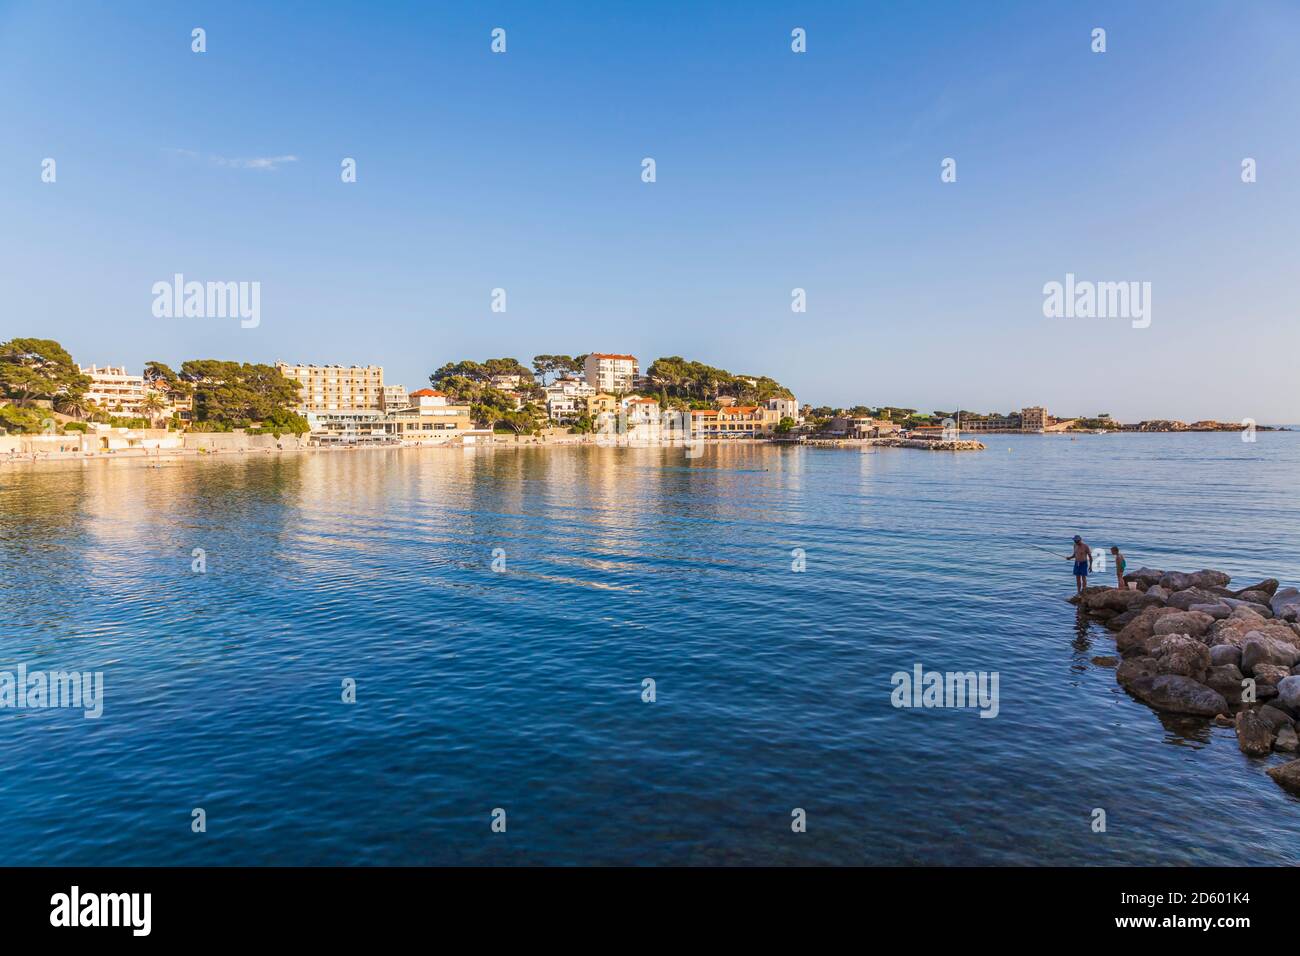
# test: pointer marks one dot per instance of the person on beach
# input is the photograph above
(1081, 555)
(1120, 565)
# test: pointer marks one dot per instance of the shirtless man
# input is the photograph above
(1081, 555)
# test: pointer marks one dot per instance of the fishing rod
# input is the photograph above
(1048, 550)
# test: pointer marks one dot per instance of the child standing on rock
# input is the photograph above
(1120, 564)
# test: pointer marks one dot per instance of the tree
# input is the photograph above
(153, 407)
(32, 369)
(238, 394)
(784, 425)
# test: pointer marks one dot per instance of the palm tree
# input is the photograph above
(153, 405)
(74, 405)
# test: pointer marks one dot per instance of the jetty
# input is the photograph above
(1191, 646)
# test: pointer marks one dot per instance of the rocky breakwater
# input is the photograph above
(929, 444)
(1190, 645)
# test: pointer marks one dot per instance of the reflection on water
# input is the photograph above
(521, 687)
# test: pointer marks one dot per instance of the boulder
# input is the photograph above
(1225, 680)
(1288, 692)
(1113, 599)
(1225, 654)
(1254, 734)
(1263, 610)
(1177, 695)
(1180, 654)
(1087, 592)
(1245, 612)
(1183, 600)
(1287, 741)
(1175, 581)
(1270, 674)
(1131, 668)
(1144, 577)
(1277, 719)
(1254, 597)
(1208, 579)
(1287, 776)
(1132, 638)
(1216, 611)
(1283, 599)
(1235, 630)
(1268, 586)
(1259, 648)
(1157, 592)
(1121, 621)
(1193, 623)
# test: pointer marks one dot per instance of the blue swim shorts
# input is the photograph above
(1080, 569)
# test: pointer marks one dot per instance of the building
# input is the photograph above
(392, 397)
(1033, 419)
(607, 372)
(430, 418)
(114, 390)
(784, 408)
(336, 388)
(644, 420)
(566, 399)
(738, 421)
(992, 423)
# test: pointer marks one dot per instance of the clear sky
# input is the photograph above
(775, 170)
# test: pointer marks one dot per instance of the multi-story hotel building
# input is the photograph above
(114, 390)
(431, 418)
(337, 388)
(611, 373)
(1033, 419)
(393, 396)
(738, 421)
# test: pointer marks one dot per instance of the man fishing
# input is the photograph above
(1081, 555)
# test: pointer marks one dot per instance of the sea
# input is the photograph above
(629, 656)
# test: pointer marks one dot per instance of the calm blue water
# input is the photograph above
(522, 689)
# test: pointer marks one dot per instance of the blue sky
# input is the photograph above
(775, 170)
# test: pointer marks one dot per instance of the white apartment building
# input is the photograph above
(336, 388)
(566, 399)
(644, 419)
(784, 407)
(393, 396)
(611, 373)
(114, 390)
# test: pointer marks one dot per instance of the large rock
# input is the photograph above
(1209, 579)
(1277, 719)
(1178, 695)
(1287, 776)
(1260, 648)
(1288, 692)
(1144, 577)
(1114, 599)
(1270, 674)
(1180, 654)
(1216, 611)
(1175, 581)
(1245, 612)
(1184, 622)
(1268, 586)
(1225, 680)
(1224, 654)
(1157, 592)
(1254, 597)
(1287, 598)
(1132, 639)
(1263, 610)
(1287, 741)
(1183, 600)
(1235, 630)
(1120, 621)
(1254, 734)
(1131, 668)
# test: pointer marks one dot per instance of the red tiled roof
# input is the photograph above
(427, 392)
